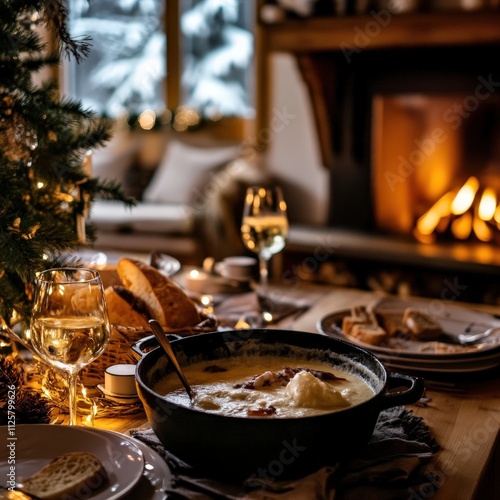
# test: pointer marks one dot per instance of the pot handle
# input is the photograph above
(147, 344)
(415, 390)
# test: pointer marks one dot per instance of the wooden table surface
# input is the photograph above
(463, 411)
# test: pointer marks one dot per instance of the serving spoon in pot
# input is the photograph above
(165, 344)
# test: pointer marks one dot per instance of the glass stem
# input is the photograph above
(72, 378)
(264, 272)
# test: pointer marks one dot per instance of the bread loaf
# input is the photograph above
(76, 474)
(166, 301)
(124, 308)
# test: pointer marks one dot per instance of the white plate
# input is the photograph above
(38, 444)
(165, 263)
(155, 478)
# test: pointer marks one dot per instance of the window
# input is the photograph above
(217, 50)
(125, 70)
(206, 46)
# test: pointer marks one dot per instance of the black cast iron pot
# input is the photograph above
(228, 445)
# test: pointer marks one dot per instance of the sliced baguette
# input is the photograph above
(348, 323)
(167, 303)
(369, 333)
(75, 474)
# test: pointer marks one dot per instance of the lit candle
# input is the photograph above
(197, 280)
(207, 301)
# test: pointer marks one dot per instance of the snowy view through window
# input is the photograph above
(126, 69)
(217, 44)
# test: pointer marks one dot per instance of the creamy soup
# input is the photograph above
(263, 387)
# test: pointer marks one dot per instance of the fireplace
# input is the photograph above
(404, 132)
(406, 127)
(381, 93)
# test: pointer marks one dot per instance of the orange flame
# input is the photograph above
(465, 196)
(460, 204)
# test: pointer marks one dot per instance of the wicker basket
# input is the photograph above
(119, 350)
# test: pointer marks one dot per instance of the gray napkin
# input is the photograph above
(387, 468)
(249, 308)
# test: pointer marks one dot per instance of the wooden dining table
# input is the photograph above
(462, 410)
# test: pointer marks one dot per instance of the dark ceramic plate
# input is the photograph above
(445, 350)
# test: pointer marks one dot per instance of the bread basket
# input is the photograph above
(118, 349)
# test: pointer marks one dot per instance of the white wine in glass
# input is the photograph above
(69, 323)
(264, 227)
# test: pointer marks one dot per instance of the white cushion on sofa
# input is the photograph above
(185, 170)
(112, 215)
(112, 161)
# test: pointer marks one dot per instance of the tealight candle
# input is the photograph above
(197, 280)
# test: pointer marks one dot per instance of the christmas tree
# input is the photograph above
(45, 187)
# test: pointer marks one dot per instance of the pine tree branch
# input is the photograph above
(43, 140)
(56, 17)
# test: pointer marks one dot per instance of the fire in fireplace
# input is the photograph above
(468, 212)
(436, 166)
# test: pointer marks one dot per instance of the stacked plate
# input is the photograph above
(444, 355)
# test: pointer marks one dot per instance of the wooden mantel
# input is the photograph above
(382, 29)
(326, 47)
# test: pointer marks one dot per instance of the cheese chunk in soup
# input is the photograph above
(266, 386)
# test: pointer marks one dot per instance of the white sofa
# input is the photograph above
(186, 208)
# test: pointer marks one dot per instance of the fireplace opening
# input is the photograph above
(436, 166)
(408, 130)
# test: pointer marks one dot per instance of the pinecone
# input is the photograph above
(29, 406)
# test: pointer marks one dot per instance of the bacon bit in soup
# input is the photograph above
(282, 377)
(214, 369)
(262, 412)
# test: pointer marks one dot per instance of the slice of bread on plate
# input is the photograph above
(76, 474)
(369, 333)
(422, 326)
(166, 302)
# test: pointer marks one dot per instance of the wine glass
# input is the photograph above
(69, 322)
(264, 226)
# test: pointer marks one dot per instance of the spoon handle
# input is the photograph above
(472, 338)
(163, 340)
